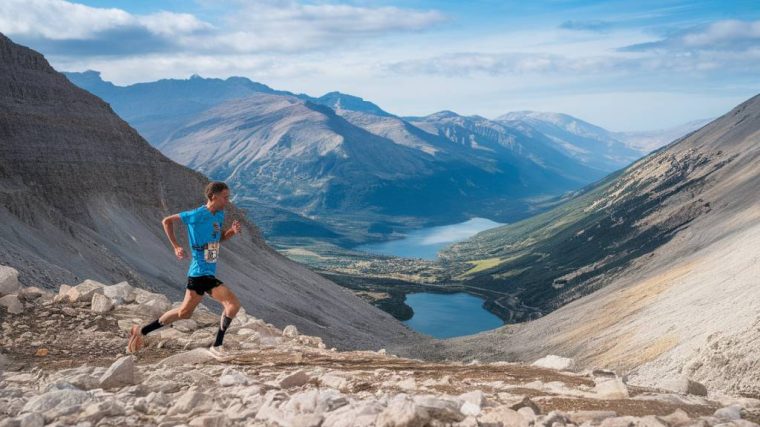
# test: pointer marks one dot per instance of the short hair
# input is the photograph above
(215, 187)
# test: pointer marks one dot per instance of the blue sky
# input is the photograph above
(624, 65)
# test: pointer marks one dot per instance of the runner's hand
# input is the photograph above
(236, 226)
(179, 251)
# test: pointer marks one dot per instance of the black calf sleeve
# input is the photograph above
(150, 327)
(224, 324)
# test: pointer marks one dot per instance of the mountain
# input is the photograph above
(506, 140)
(587, 143)
(155, 109)
(343, 102)
(343, 162)
(658, 261)
(594, 145)
(356, 170)
(648, 141)
(83, 196)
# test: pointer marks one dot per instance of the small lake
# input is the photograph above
(449, 315)
(426, 242)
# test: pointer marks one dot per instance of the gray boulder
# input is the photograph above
(120, 293)
(101, 303)
(120, 373)
(8, 280)
(12, 304)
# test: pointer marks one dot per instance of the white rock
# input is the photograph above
(270, 410)
(56, 400)
(198, 355)
(121, 293)
(63, 294)
(729, 413)
(290, 331)
(305, 420)
(31, 419)
(100, 303)
(607, 385)
(555, 362)
(8, 280)
(30, 293)
(686, 386)
(475, 397)
(407, 384)
(358, 414)
(527, 413)
(232, 377)
(190, 403)
(443, 410)
(185, 325)
(590, 417)
(97, 411)
(402, 412)
(503, 415)
(470, 409)
(119, 374)
(611, 388)
(628, 421)
(334, 381)
(295, 379)
(12, 304)
(213, 420)
(314, 401)
(156, 306)
(85, 290)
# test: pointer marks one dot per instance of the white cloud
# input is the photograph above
(732, 35)
(59, 20)
(379, 53)
(251, 27)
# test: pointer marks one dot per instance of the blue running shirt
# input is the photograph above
(204, 230)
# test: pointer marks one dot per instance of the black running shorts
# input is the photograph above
(201, 284)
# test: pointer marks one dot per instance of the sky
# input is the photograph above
(623, 65)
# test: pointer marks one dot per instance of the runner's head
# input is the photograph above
(218, 194)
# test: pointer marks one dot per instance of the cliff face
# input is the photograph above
(82, 195)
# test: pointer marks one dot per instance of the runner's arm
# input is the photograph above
(233, 230)
(168, 224)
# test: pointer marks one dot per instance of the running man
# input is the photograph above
(204, 229)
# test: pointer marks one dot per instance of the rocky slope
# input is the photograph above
(589, 144)
(648, 141)
(63, 364)
(666, 253)
(158, 108)
(83, 195)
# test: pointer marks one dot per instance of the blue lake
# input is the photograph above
(449, 315)
(426, 242)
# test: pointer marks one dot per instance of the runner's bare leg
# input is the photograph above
(184, 311)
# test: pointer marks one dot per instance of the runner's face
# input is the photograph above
(220, 200)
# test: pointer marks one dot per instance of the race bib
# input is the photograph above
(211, 253)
